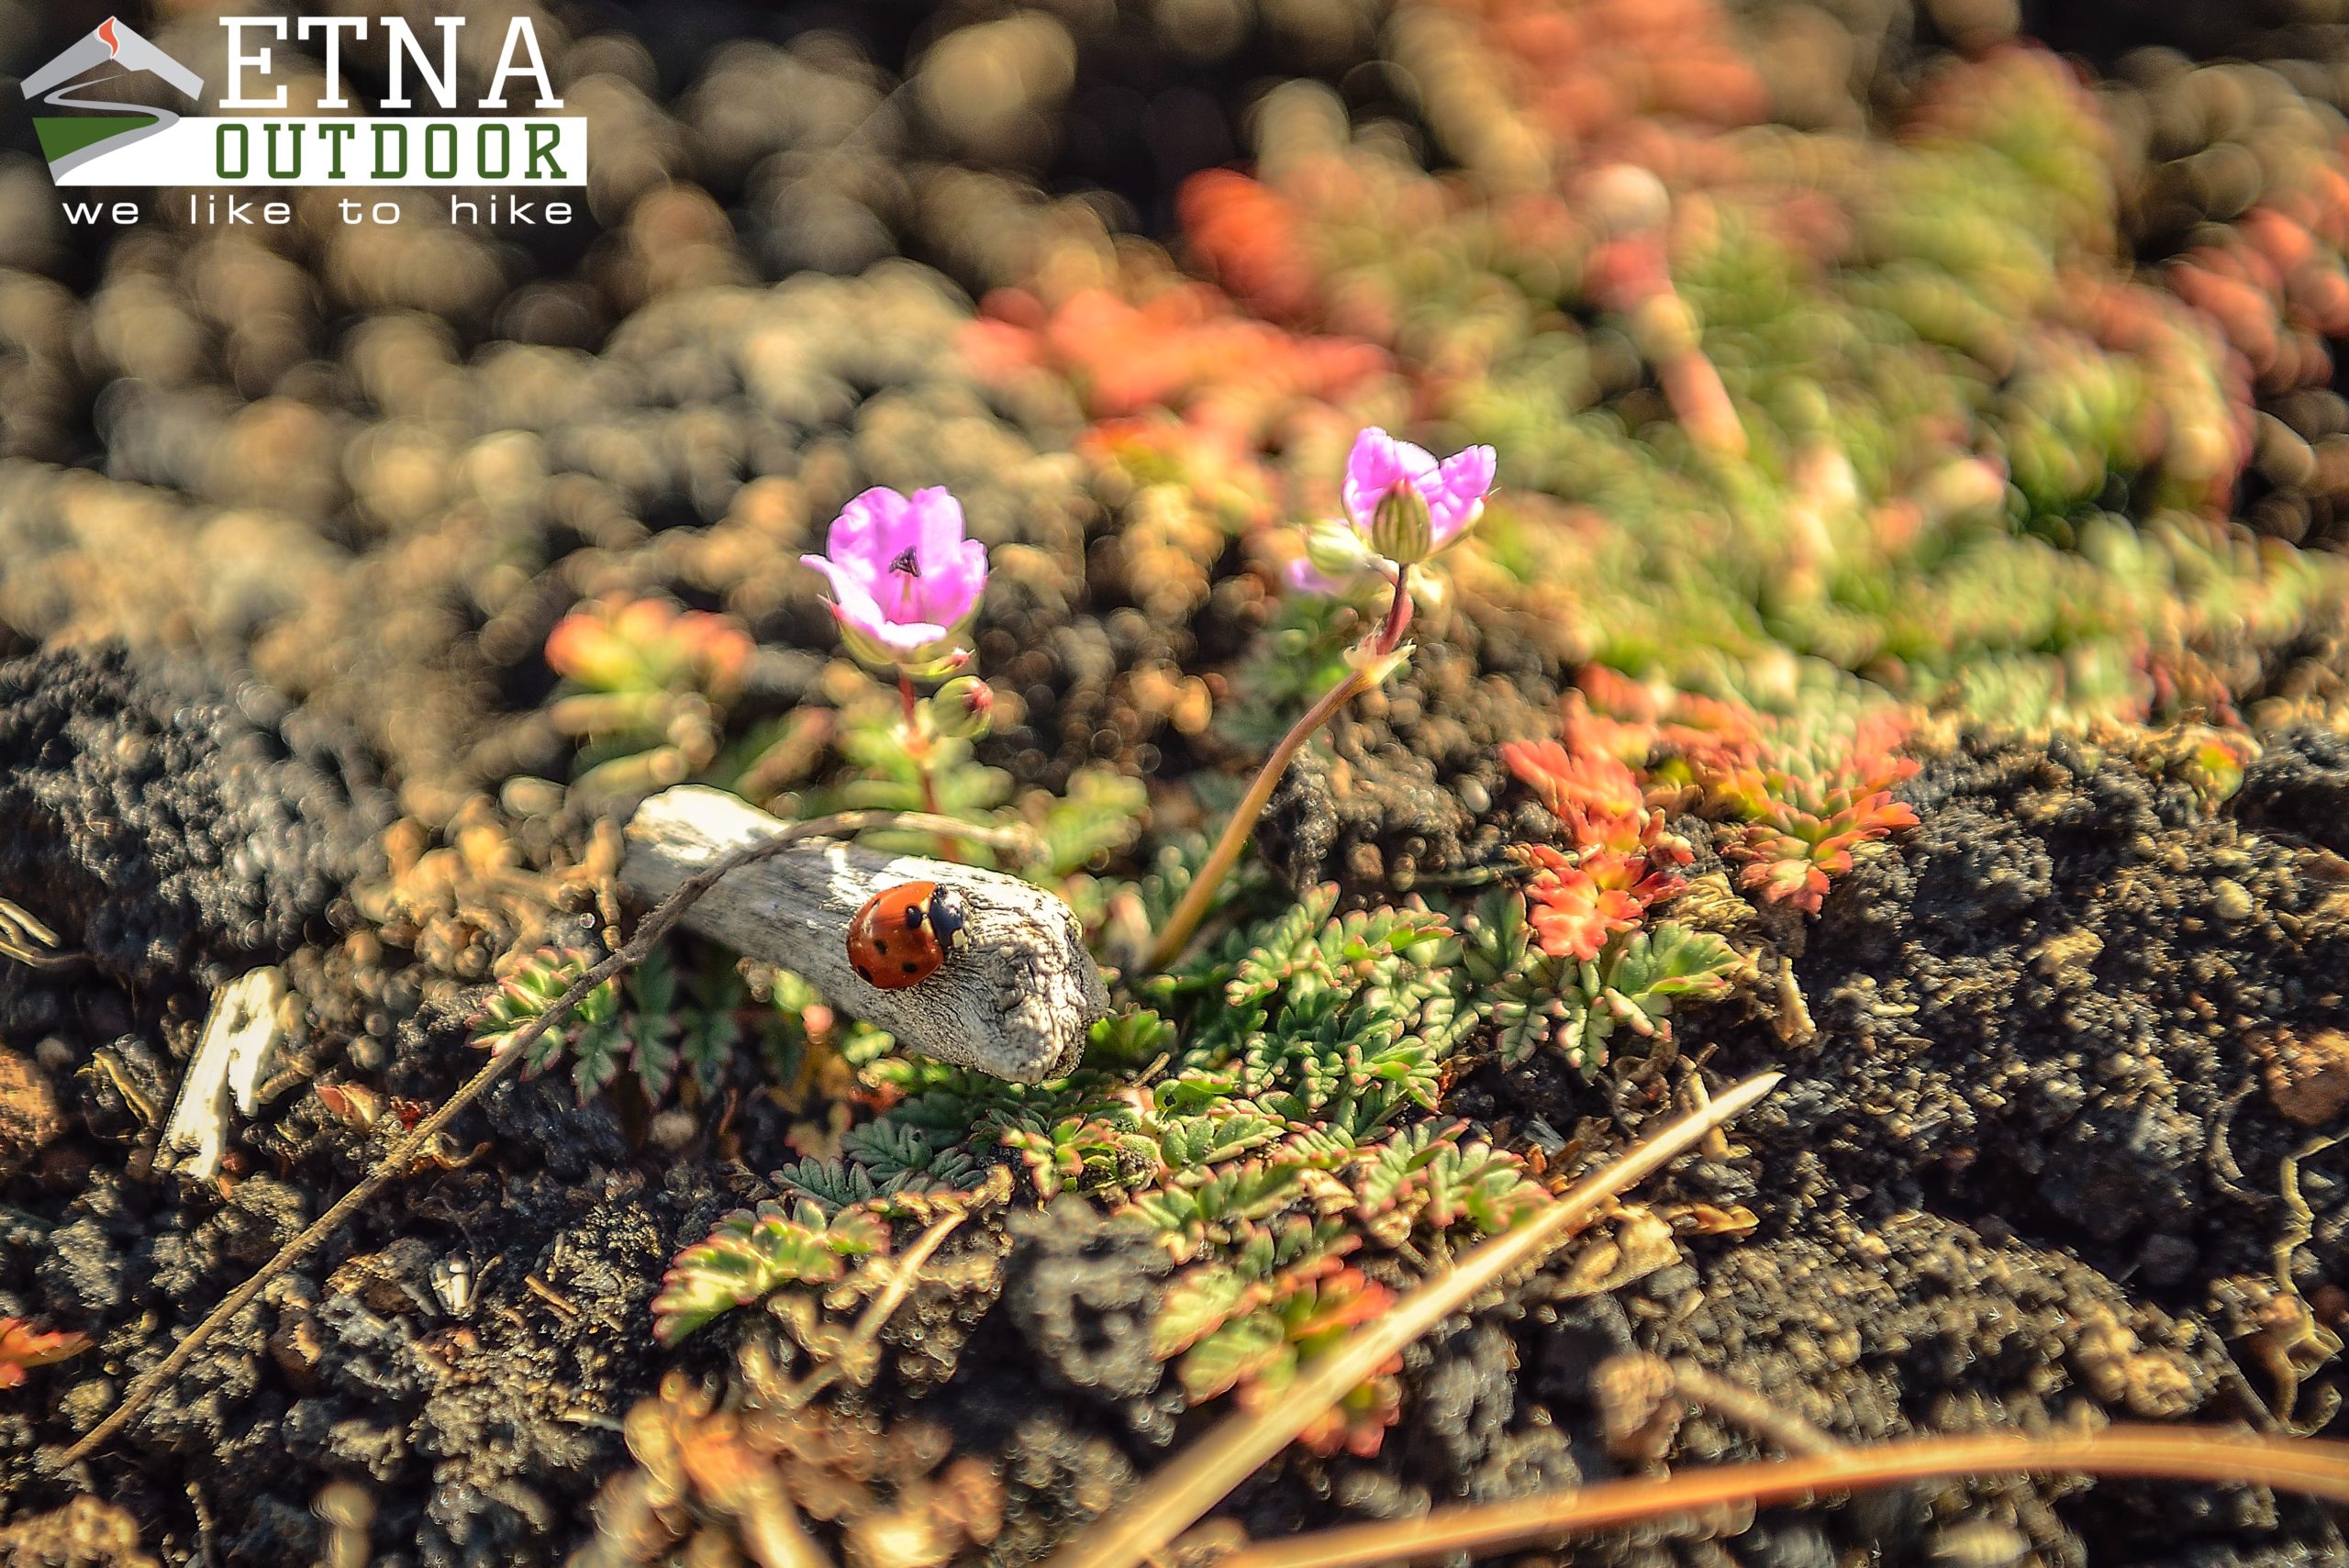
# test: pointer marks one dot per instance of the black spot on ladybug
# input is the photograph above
(911, 967)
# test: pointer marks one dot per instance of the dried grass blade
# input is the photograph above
(2318, 1467)
(1176, 1497)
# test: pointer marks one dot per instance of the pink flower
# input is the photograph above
(1454, 489)
(1402, 505)
(904, 582)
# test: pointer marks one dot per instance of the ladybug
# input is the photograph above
(904, 932)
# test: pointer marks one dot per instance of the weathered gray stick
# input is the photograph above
(1015, 1004)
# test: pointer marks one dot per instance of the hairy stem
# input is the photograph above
(1185, 921)
(918, 748)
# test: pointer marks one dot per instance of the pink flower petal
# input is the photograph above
(853, 606)
(1304, 577)
(1377, 465)
(954, 569)
(913, 611)
(1457, 493)
(909, 637)
(953, 583)
(853, 602)
(873, 530)
(938, 522)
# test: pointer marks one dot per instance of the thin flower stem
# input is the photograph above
(1398, 616)
(918, 748)
(1185, 921)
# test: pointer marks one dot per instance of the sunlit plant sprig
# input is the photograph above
(649, 1024)
(648, 686)
(754, 1253)
(1263, 1128)
(24, 1347)
(1402, 509)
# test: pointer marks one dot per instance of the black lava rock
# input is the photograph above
(165, 826)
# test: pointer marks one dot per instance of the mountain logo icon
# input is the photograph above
(70, 141)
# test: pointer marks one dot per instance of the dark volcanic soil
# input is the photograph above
(2027, 1171)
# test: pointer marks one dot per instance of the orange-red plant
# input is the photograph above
(23, 1347)
(1232, 378)
(1809, 790)
(1623, 860)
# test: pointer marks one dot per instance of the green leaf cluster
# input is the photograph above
(1580, 1009)
(754, 1253)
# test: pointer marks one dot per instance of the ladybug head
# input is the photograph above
(948, 915)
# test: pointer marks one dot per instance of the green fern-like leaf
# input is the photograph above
(832, 1184)
(1249, 1191)
(1197, 1304)
(1529, 1008)
(1197, 1142)
(1672, 962)
(1499, 942)
(1280, 950)
(653, 986)
(530, 993)
(597, 1052)
(754, 1253)
(707, 1044)
(1091, 1154)
(888, 1149)
(1247, 1348)
(1484, 1187)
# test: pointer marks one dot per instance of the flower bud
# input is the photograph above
(963, 709)
(1401, 529)
(1336, 549)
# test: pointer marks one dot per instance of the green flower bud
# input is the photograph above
(1336, 549)
(963, 709)
(1401, 529)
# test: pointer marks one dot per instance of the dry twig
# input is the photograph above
(1734, 1402)
(1016, 1004)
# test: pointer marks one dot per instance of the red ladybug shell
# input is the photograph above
(904, 932)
